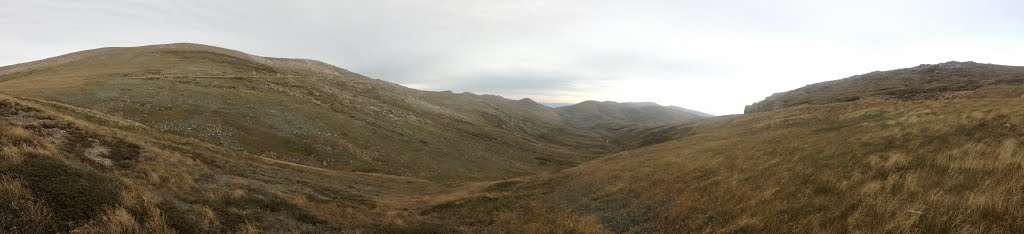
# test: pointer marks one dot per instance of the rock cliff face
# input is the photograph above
(950, 80)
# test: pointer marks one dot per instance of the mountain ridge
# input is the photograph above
(949, 80)
(312, 113)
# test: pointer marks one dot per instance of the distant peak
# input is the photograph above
(185, 45)
(277, 65)
(191, 47)
(642, 103)
(948, 65)
(528, 102)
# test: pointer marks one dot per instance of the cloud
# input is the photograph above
(713, 56)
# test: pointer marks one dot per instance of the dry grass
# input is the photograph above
(202, 188)
(113, 221)
(310, 113)
(539, 220)
(873, 167)
(867, 164)
(931, 166)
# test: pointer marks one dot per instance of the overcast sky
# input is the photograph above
(712, 56)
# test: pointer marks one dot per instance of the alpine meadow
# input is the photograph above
(465, 117)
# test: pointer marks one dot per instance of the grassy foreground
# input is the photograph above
(66, 169)
(868, 167)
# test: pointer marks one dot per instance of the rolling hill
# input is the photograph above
(70, 169)
(950, 80)
(924, 162)
(194, 139)
(311, 113)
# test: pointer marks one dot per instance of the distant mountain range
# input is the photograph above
(556, 104)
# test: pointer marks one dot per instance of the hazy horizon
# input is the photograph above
(714, 57)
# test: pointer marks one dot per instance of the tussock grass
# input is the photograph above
(18, 136)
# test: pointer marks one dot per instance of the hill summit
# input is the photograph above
(950, 80)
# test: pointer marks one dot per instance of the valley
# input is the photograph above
(191, 138)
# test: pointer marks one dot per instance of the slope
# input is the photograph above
(199, 139)
(67, 169)
(951, 80)
(308, 112)
(873, 166)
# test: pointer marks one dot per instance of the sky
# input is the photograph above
(711, 56)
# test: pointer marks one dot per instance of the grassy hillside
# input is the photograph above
(951, 80)
(887, 166)
(310, 113)
(71, 169)
(195, 139)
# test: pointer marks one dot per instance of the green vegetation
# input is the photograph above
(77, 194)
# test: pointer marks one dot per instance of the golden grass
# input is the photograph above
(539, 220)
(116, 221)
(18, 135)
